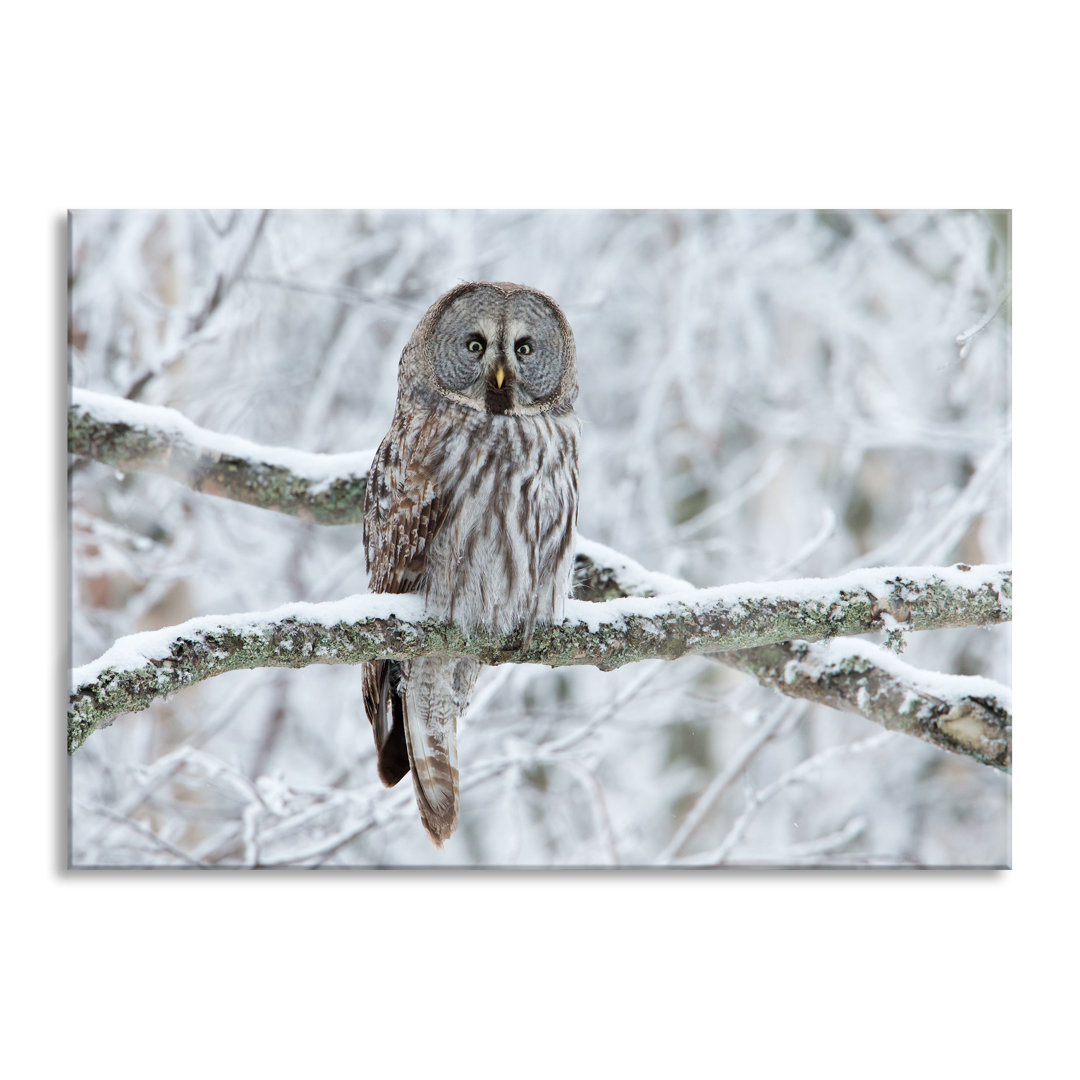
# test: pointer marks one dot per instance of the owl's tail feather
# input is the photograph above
(431, 713)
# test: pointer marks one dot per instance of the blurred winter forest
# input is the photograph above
(764, 395)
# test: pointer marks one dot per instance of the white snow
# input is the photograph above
(745, 595)
(936, 684)
(634, 577)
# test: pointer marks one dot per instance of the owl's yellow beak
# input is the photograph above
(500, 375)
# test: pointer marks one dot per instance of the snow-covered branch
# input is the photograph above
(140, 668)
(131, 437)
(966, 714)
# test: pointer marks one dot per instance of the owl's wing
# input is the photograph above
(402, 515)
(383, 705)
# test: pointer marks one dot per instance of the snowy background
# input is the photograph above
(763, 394)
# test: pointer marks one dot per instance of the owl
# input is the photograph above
(471, 502)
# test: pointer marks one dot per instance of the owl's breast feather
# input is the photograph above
(504, 553)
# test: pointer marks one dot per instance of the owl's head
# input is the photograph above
(495, 347)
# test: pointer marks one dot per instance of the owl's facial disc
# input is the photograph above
(499, 353)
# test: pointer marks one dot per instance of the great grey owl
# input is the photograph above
(472, 501)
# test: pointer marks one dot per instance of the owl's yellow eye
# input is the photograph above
(475, 345)
(524, 349)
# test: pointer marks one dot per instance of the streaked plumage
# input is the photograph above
(472, 501)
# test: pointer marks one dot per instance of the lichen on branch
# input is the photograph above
(140, 668)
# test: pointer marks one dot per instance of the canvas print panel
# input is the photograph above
(804, 412)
